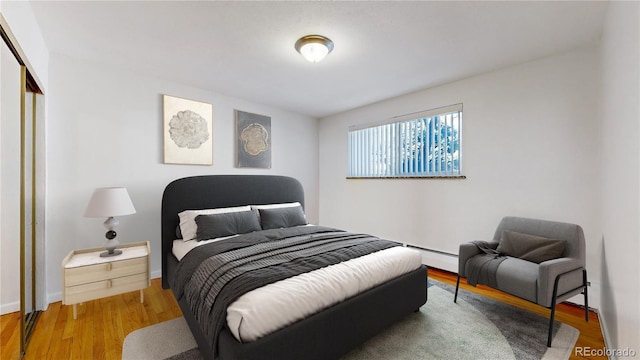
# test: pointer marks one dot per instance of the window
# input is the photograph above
(425, 144)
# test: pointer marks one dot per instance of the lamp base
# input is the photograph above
(112, 243)
(113, 253)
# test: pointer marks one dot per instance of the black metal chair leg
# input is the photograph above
(553, 309)
(586, 299)
(455, 297)
(553, 313)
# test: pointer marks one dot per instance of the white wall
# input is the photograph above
(530, 149)
(105, 129)
(18, 19)
(619, 246)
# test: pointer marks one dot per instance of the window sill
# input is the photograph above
(456, 177)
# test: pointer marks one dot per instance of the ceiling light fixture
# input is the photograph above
(314, 47)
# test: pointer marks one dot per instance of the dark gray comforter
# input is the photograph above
(212, 276)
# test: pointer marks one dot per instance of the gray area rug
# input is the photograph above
(474, 328)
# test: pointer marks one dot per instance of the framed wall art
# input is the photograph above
(188, 131)
(253, 138)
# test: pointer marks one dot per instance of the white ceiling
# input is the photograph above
(382, 49)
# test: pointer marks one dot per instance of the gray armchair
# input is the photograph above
(545, 283)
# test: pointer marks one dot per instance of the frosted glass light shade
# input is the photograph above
(314, 48)
(314, 52)
(108, 202)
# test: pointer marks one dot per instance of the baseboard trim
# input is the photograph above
(54, 297)
(605, 332)
(9, 308)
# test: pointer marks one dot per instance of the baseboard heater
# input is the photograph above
(433, 251)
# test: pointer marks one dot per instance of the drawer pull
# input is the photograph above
(108, 266)
(108, 284)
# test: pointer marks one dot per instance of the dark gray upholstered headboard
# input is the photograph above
(217, 191)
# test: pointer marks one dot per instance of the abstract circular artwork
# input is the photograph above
(188, 129)
(255, 138)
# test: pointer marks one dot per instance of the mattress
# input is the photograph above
(274, 306)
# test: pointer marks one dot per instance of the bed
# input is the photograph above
(327, 334)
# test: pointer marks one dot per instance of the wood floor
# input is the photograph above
(99, 331)
(102, 325)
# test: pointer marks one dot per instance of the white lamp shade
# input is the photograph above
(108, 202)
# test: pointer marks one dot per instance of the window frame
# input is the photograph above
(443, 126)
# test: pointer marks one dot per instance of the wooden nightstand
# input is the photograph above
(87, 276)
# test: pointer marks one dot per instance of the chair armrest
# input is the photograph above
(467, 251)
(549, 270)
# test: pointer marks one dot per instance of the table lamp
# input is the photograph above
(110, 202)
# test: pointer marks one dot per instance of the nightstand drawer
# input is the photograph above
(100, 289)
(105, 271)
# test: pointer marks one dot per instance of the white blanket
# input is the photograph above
(274, 306)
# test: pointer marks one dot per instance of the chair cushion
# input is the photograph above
(518, 277)
(530, 247)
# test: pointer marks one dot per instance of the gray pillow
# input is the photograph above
(213, 226)
(277, 218)
(530, 247)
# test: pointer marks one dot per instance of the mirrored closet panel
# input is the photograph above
(32, 223)
(21, 193)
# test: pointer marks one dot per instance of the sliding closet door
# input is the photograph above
(38, 197)
(28, 206)
(21, 195)
(32, 197)
(9, 181)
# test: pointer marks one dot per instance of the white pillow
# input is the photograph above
(188, 226)
(276, 206)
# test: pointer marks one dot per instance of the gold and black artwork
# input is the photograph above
(253, 138)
